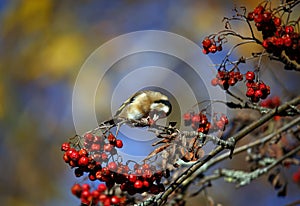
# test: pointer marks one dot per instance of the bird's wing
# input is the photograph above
(128, 101)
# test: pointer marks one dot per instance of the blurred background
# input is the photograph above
(43, 44)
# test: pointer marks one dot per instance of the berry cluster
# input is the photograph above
(210, 46)
(101, 147)
(219, 121)
(93, 197)
(144, 178)
(200, 123)
(256, 90)
(271, 102)
(264, 20)
(277, 37)
(225, 79)
(94, 160)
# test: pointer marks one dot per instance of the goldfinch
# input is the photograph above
(144, 104)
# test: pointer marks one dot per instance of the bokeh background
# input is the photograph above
(43, 44)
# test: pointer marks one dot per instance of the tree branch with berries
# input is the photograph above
(270, 129)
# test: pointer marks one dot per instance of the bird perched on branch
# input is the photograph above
(144, 104)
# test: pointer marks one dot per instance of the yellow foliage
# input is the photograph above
(29, 16)
(61, 54)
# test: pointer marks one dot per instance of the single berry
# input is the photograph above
(206, 43)
(65, 146)
(132, 178)
(250, 92)
(115, 200)
(119, 143)
(88, 137)
(289, 29)
(138, 184)
(259, 10)
(74, 156)
(111, 138)
(83, 152)
(250, 76)
(196, 119)
(76, 190)
(277, 21)
(83, 161)
(101, 187)
(212, 48)
(258, 93)
(112, 166)
(214, 81)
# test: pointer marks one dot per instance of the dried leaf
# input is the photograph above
(157, 150)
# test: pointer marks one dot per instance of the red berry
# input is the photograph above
(86, 187)
(76, 190)
(95, 194)
(146, 183)
(238, 76)
(85, 194)
(250, 16)
(258, 93)
(279, 42)
(196, 119)
(112, 166)
(132, 178)
(65, 146)
(187, 116)
(95, 147)
(212, 48)
(83, 161)
(220, 124)
(205, 51)
(88, 137)
(74, 156)
(138, 184)
(119, 143)
(103, 197)
(262, 86)
(277, 21)
(108, 147)
(259, 10)
(276, 101)
(206, 43)
(104, 156)
(92, 176)
(267, 16)
(101, 187)
(258, 18)
(289, 29)
(250, 76)
(231, 81)
(83, 152)
(296, 177)
(111, 138)
(265, 43)
(224, 119)
(250, 92)
(115, 200)
(288, 42)
(66, 157)
(214, 81)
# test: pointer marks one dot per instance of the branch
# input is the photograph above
(162, 198)
(244, 178)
